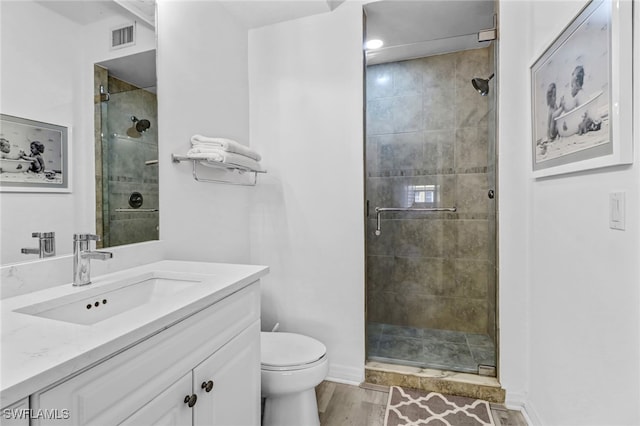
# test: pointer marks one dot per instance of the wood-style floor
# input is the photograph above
(349, 405)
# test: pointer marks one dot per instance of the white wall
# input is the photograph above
(307, 222)
(40, 74)
(579, 278)
(47, 75)
(202, 89)
(513, 202)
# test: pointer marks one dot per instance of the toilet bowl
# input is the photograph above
(292, 366)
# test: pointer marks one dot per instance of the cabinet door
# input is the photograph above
(166, 409)
(16, 415)
(112, 391)
(234, 370)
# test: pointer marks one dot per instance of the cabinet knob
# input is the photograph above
(190, 400)
(207, 386)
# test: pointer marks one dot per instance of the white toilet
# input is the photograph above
(292, 366)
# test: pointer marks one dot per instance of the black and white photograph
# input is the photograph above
(571, 90)
(33, 156)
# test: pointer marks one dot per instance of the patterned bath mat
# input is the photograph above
(410, 407)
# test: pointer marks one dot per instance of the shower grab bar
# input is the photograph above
(380, 210)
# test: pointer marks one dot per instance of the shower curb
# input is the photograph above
(446, 382)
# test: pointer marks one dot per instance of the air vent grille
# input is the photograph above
(123, 36)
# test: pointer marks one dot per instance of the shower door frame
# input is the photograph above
(492, 216)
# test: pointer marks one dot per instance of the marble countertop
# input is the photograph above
(36, 352)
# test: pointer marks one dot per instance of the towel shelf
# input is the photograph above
(223, 166)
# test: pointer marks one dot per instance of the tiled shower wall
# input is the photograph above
(428, 145)
(100, 78)
(128, 172)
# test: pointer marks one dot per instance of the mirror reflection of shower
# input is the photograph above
(126, 141)
(138, 127)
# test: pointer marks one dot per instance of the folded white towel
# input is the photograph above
(204, 142)
(225, 157)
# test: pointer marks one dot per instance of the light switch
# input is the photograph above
(616, 210)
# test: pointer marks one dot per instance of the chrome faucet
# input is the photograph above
(46, 245)
(82, 258)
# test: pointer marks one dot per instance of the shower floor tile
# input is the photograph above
(429, 348)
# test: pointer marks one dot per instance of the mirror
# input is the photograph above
(126, 146)
(48, 51)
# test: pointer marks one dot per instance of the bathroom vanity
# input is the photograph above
(169, 342)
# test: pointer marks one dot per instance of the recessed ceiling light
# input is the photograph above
(373, 44)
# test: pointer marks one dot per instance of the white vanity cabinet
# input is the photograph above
(16, 414)
(223, 390)
(153, 381)
(166, 408)
(221, 400)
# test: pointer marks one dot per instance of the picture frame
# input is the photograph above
(581, 93)
(34, 156)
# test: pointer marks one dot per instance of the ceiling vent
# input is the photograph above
(123, 36)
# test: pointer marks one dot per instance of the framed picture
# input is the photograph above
(581, 93)
(34, 156)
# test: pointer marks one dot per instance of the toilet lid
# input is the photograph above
(280, 349)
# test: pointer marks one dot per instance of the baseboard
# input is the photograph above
(518, 401)
(345, 374)
(515, 400)
(531, 415)
(342, 381)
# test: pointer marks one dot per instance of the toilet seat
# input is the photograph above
(290, 351)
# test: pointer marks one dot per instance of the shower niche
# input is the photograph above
(126, 150)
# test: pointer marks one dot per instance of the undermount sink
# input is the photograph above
(95, 304)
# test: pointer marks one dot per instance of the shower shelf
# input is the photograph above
(210, 164)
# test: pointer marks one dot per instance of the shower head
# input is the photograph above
(481, 85)
(143, 125)
(138, 127)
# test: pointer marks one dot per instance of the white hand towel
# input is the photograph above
(199, 141)
(225, 157)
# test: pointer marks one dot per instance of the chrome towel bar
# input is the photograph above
(137, 210)
(223, 166)
(380, 210)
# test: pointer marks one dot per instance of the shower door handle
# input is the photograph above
(380, 210)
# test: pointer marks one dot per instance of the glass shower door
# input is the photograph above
(431, 273)
(130, 204)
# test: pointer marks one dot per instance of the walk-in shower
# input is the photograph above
(431, 216)
(126, 154)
